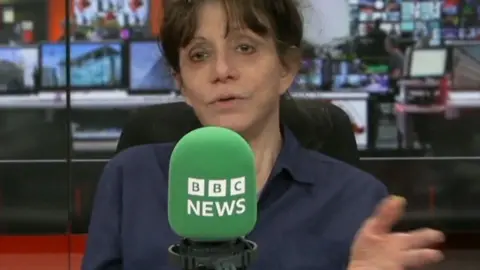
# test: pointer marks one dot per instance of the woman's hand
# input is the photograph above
(377, 248)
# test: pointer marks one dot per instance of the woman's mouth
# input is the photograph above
(227, 102)
(227, 99)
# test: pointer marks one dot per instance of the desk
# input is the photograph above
(353, 103)
(457, 100)
(84, 100)
(121, 99)
(464, 99)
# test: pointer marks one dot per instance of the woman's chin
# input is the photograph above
(237, 126)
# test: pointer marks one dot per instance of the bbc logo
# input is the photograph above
(216, 188)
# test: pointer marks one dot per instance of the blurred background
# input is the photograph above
(405, 71)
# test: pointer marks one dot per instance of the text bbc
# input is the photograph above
(216, 188)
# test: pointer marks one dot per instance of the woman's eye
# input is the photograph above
(198, 56)
(246, 49)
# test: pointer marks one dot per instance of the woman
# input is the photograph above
(233, 61)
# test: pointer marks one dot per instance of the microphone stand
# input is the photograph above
(235, 254)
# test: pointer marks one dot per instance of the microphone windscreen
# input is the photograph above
(212, 192)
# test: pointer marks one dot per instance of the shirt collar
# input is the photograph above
(294, 159)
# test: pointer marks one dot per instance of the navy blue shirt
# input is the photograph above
(309, 211)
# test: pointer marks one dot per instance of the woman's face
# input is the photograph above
(232, 81)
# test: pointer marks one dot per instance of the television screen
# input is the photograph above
(422, 19)
(460, 20)
(369, 10)
(372, 83)
(125, 13)
(310, 76)
(358, 75)
(428, 63)
(92, 65)
(19, 69)
(149, 71)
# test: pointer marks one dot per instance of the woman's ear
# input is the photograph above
(290, 69)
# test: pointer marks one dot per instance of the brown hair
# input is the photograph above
(279, 18)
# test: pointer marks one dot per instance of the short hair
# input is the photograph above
(279, 18)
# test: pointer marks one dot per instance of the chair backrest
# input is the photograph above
(331, 134)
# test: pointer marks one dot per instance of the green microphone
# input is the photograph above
(212, 199)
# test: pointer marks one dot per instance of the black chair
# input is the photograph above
(331, 132)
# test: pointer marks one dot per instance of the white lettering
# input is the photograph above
(237, 186)
(196, 187)
(193, 207)
(240, 206)
(217, 188)
(207, 209)
(223, 207)
(219, 209)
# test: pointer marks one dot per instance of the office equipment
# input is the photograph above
(460, 20)
(360, 75)
(18, 69)
(149, 70)
(428, 62)
(310, 76)
(94, 65)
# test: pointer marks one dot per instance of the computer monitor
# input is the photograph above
(430, 62)
(460, 21)
(358, 76)
(93, 66)
(310, 76)
(124, 13)
(149, 71)
(19, 68)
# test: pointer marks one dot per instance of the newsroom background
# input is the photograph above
(38, 189)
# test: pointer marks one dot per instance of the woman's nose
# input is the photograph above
(224, 69)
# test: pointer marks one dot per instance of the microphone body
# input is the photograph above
(212, 200)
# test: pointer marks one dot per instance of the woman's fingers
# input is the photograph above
(376, 247)
(422, 238)
(420, 257)
(387, 214)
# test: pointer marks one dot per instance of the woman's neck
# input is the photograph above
(266, 147)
